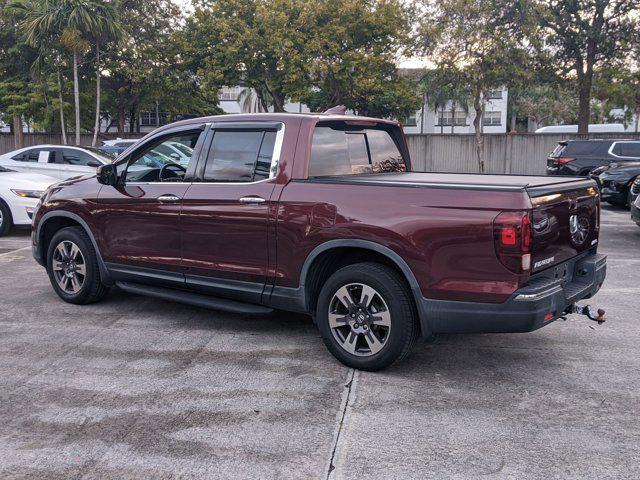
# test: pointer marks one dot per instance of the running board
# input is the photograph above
(195, 299)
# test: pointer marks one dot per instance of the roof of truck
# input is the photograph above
(276, 117)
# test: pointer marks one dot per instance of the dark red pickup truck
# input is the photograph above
(322, 214)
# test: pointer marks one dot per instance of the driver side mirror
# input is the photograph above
(93, 163)
(107, 175)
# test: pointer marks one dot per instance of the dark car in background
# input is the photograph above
(615, 182)
(580, 157)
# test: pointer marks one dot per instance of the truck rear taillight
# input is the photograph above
(512, 239)
(563, 160)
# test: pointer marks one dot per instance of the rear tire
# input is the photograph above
(367, 317)
(6, 220)
(72, 265)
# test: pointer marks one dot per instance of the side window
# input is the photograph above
(630, 149)
(160, 162)
(28, 156)
(342, 152)
(240, 156)
(75, 157)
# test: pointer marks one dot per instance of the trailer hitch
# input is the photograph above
(588, 311)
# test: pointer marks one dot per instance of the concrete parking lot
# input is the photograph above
(140, 388)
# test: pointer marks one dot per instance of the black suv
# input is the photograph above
(580, 157)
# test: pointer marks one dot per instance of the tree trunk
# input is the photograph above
(453, 116)
(63, 127)
(96, 126)
(513, 127)
(477, 125)
(121, 119)
(18, 135)
(76, 94)
(441, 122)
(637, 110)
(585, 81)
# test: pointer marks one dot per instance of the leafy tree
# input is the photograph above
(16, 88)
(479, 41)
(322, 53)
(581, 35)
(72, 24)
(548, 103)
(151, 66)
(257, 43)
(352, 55)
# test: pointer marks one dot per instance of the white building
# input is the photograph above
(449, 120)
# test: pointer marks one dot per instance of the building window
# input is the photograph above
(491, 119)
(230, 93)
(444, 118)
(148, 118)
(494, 94)
(410, 121)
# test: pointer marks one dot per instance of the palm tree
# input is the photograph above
(109, 30)
(72, 24)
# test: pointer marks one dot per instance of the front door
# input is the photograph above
(139, 222)
(225, 216)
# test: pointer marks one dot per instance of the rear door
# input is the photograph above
(226, 211)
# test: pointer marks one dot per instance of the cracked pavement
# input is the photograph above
(134, 387)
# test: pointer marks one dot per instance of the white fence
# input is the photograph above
(515, 154)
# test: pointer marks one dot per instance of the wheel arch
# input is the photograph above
(330, 256)
(51, 223)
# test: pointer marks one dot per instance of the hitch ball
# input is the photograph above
(587, 310)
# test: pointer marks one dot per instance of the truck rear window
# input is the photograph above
(336, 151)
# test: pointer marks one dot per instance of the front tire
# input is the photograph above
(6, 220)
(72, 265)
(366, 316)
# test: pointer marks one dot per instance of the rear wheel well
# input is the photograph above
(50, 228)
(330, 261)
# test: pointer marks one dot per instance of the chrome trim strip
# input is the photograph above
(532, 297)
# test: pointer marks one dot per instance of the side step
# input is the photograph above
(195, 299)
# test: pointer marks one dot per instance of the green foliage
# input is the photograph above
(322, 53)
(582, 35)
(354, 47)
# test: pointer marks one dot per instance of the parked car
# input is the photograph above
(634, 201)
(19, 195)
(57, 161)
(321, 214)
(615, 181)
(593, 128)
(580, 157)
(120, 142)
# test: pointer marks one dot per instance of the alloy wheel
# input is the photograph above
(359, 319)
(69, 267)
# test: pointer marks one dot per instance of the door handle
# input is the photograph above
(168, 198)
(252, 199)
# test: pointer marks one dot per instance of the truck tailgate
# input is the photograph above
(565, 222)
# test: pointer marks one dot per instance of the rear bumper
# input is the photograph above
(545, 296)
